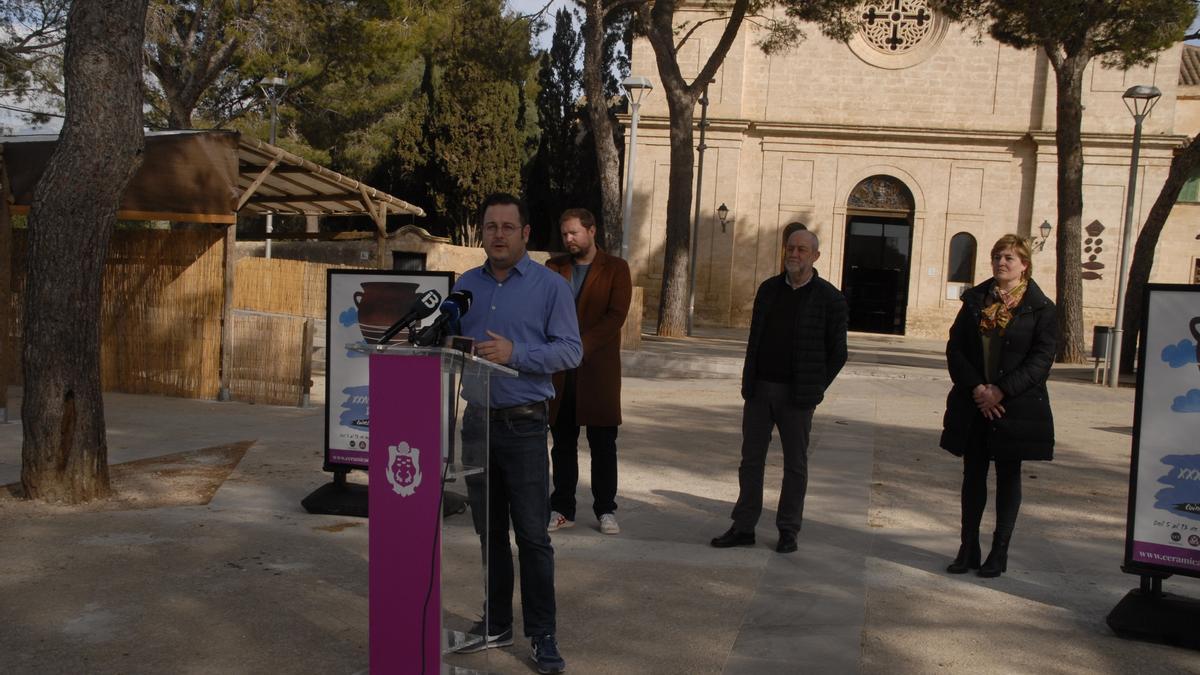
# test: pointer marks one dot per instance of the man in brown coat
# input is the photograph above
(589, 395)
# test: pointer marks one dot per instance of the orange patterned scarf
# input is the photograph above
(997, 315)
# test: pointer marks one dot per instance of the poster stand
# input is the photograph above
(1146, 613)
(339, 497)
(360, 305)
(1162, 537)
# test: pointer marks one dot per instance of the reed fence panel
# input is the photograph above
(271, 358)
(160, 314)
(279, 286)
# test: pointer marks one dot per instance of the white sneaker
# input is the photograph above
(608, 524)
(558, 522)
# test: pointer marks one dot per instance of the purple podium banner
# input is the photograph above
(404, 500)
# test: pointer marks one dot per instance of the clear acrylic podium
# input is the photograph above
(428, 571)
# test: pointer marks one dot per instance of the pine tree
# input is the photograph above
(552, 182)
(64, 454)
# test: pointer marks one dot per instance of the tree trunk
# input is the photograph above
(179, 111)
(65, 454)
(1069, 282)
(673, 301)
(608, 164)
(179, 116)
(681, 106)
(1182, 165)
(5, 289)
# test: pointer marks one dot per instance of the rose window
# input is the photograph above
(895, 26)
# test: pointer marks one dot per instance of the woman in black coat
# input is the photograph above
(1001, 347)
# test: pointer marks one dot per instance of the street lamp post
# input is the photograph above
(692, 261)
(272, 88)
(1037, 244)
(636, 88)
(1140, 101)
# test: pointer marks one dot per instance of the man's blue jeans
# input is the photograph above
(519, 472)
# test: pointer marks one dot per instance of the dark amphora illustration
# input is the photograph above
(381, 304)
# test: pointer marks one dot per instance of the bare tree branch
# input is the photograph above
(717, 57)
(538, 14)
(695, 26)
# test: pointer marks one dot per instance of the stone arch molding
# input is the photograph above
(884, 170)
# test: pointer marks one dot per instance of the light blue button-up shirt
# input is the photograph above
(534, 309)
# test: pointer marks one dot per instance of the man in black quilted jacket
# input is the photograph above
(797, 346)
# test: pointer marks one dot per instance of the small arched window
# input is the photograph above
(962, 259)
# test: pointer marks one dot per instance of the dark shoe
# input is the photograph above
(787, 542)
(452, 504)
(546, 656)
(997, 560)
(967, 559)
(478, 641)
(733, 538)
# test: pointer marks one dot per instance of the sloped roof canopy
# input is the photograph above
(210, 176)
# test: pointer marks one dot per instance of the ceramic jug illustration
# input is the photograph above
(381, 304)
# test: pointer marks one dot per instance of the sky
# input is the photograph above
(531, 6)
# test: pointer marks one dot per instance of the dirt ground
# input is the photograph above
(177, 479)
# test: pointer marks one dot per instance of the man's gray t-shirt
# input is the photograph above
(578, 277)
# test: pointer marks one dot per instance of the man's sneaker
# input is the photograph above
(546, 656)
(559, 522)
(479, 643)
(608, 524)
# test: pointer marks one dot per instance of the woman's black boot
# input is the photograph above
(997, 560)
(967, 558)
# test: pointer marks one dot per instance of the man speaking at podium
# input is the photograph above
(522, 316)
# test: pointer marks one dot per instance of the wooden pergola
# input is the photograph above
(198, 177)
(273, 180)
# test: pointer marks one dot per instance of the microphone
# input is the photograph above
(452, 310)
(420, 308)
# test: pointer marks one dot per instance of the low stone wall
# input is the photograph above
(931, 323)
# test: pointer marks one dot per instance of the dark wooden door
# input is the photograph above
(875, 273)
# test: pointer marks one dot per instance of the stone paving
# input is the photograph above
(250, 583)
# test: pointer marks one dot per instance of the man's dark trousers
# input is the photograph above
(602, 441)
(520, 476)
(771, 406)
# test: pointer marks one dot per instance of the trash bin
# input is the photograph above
(1100, 341)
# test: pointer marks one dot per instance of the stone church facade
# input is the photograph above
(909, 150)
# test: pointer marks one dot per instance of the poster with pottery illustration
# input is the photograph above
(361, 306)
(1164, 532)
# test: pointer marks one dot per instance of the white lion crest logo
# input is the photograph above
(404, 469)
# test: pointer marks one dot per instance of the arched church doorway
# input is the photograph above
(875, 267)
